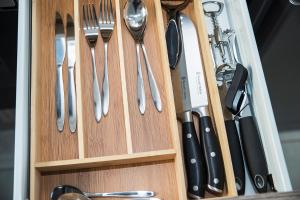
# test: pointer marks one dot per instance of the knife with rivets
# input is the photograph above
(192, 150)
(191, 60)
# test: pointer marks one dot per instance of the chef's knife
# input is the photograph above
(199, 102)
(193, 155)
(60, 49)
(71, 82)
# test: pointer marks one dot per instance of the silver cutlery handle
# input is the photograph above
(96, 91)
(153, 86)
(140, 82)
(131, 194)
(72, 100)
(105, 86)
(59, 99)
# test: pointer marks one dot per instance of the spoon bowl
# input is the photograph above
(135, 17)
(73, 196)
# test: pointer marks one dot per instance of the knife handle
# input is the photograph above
(254, 153)
(236, 155)
(173, 42)
(213, 156)
(72, 100)
(194, 161)
(59, 99)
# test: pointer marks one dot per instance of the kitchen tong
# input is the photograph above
(173, 35)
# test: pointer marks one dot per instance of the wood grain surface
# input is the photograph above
(50, 143)
(108, 137)
(124, 131)
(150, 131)
(193, 12)
(159, 177)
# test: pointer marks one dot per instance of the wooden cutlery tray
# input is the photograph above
(126, 150)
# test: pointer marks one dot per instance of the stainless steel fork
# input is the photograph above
(106, 25)
(90, 27)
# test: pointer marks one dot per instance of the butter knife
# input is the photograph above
(60, 49)
(71, 80)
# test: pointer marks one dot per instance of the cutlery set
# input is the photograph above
(202, 156)
(135, 18)
(60, 50)
(235, 93)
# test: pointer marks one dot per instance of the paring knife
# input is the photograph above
(60, 49)
(199, 103)
(71, 79)
(193, 155)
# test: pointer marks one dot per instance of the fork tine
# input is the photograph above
(90, 25)
(111, 13)
(101, 13)
(95, 16)
(105, 11)
(91, 20)
(85, 24)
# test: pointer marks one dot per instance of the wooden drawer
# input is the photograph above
(126, 150)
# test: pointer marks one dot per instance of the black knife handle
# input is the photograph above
(236, 156)
(173, 42)
(254, 153)
(213, 156)
(194, 161)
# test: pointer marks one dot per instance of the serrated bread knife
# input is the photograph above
(193, 87)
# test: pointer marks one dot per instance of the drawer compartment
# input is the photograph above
(125, 150)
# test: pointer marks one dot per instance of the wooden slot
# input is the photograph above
(108, 137)
(195, 12)
(106, 161)
(50, 143)
(151, 131)
(157, 176)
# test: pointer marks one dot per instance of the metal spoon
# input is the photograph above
(135, 17)
(68, 192)
(76, 196)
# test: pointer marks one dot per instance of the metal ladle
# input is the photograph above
(135, 17)
(68, 192)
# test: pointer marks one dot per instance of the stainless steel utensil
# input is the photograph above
(67, 192)
(106, 26)
(60, 50)
(90, 27)
(191, 61)
(76, 196)
(71, 80)
(135, 17)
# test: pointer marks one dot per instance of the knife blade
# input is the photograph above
(71, 80)
(199, 103)
(60, 49)
(193, 155)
